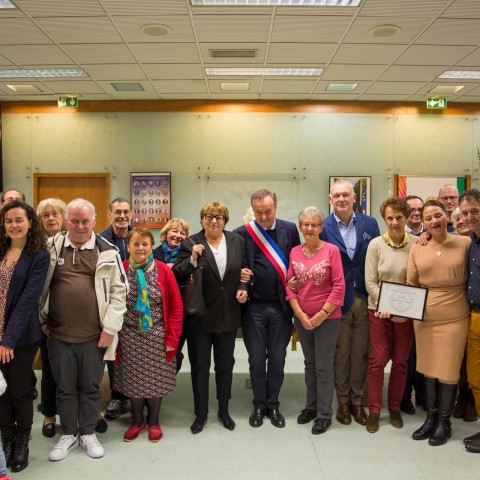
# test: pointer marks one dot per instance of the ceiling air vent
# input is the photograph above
(233, 53)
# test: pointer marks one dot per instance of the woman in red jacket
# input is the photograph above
(149, 337)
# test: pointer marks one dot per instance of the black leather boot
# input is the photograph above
(8, 441)
(425, 431)
(20, 454)
(446, 401)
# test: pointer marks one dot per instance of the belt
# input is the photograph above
(475, 308)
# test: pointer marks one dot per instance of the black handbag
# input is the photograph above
(192, 293)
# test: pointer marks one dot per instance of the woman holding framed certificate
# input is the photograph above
(390, 336)
(442, 267)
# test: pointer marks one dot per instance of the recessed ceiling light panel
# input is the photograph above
(4, 4)
(235, 86)
(255, 72)
(24, 88)
(128, 87)
(287, 3)
(341, 87)
(384, 31)
(57, 72)
(446, 89)
(464, 74)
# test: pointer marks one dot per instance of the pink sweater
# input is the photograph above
(320, 279)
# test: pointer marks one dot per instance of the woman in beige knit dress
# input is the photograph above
(442, 267)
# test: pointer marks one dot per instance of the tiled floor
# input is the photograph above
(344, 452)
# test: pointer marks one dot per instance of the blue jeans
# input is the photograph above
(3, 464)
(266, 333)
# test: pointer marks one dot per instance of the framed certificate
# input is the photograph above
(402, 300)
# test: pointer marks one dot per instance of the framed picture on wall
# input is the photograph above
(151, 195)
(362, 190)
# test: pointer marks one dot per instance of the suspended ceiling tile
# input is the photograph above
(463, 9)
(394, 88)
(323, 85)
(432, 55)
(100, 54)
(452, 32)
(300, 53)
(146, 7)
(288, 86)
(403, 8)
(234, 96)
(215, 61)
(410, 28)
(80, 86)
(173, 71)
(284, 96)
(183, 96)
(146, 85)
(334, 96)
(3, 61)
(412, 73)
(165, 52)
(384, 98)
(36, 55)
(353, 72)
(254, 84)
(314, 29)
(180, 86)
(232, 28)
(367, 53)
(59, 8)
(114, 72)
(80, 29)
(131, 28)
(21, 31)
(472, 60)
(426, 89)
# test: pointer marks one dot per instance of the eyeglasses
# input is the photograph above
(46, 216)
(451, 198)
(119, 212)
(413, 210)
(311, 225)
(218, 218)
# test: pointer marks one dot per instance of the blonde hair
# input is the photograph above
(172, 224)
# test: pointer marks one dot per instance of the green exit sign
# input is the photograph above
(67, 102)
(435, 102)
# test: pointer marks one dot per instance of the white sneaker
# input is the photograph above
(92, 445)
(63, 447)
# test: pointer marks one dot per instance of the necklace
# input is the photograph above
(439, 250)
(310, 255)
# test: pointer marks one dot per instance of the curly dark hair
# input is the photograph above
(36, 238)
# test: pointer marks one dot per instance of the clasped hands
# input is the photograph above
(392, 318)
(310, 323)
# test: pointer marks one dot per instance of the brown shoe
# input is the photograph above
(372, 422)
(396, 419)
(343, 414)
(359, 414)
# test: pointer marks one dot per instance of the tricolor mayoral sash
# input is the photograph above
(270, 249)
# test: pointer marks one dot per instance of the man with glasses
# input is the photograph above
(267, 320)
(448, 196)
(11, 195)
(351, 233)
(414, 221)
(120, 214)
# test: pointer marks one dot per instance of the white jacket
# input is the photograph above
(111, 287)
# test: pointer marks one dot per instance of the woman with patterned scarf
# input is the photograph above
(146, 370)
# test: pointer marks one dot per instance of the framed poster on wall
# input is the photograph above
(151, 199)
(362, 190)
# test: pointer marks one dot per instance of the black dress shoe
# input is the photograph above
(407, 407)
(276, 418)
(102, 425)
(256, 418)
(49, 430)
(471, 439)
(321, 425)
(198, 424)
(306, 416)
(226, 420)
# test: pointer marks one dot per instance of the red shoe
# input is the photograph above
(155, 433)
(133, 432)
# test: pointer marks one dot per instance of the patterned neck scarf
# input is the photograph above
(387, 239)
(169, 254)
(142, 306)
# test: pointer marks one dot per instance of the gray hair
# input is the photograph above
(263, 193)
(56, 203)
(342, 181)
(455, 216)
(312, 212)
(80, 203)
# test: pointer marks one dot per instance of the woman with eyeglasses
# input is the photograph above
(315, 290)
(221, 256)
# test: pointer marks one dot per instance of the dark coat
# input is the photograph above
(287, 238)
(223, 310)
(22, 326)
(366, 229)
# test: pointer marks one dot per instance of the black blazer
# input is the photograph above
(223, 310)
(287, 238)
(22, 326)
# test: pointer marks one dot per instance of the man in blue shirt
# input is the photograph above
(351, 233)
(470, 209)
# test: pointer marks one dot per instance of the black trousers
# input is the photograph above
(199, 353)
(48, 385)
(16, 404)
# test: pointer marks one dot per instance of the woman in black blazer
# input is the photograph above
(221, 256)
(23, 267)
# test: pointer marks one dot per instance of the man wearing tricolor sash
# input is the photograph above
(267, 320)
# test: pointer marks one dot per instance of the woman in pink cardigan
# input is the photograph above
(149, 338)
(315, 290)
